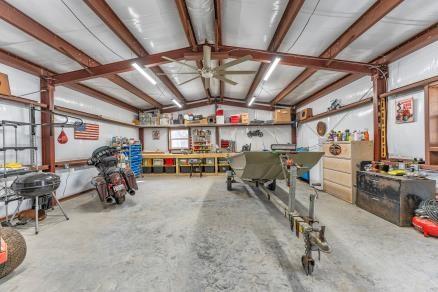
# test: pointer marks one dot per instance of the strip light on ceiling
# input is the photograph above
(144, 73)
(177, 103)
(271, 69)
(251, 101)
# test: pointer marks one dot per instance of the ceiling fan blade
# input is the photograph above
(206, 56)
(206, 83)
(191, 79)
(177, 73)
(176, 61)
(234, 62)
(235, 72)
(225, 79)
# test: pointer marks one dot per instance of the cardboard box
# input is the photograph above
(220, 120)
(282, 115)
(304, 114)
(244, 118)
(203, 121)
(4, 84)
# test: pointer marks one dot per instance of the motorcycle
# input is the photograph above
(112, 183)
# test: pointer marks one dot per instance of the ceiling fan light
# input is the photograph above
(251, 101)
(177, 103)
(144, 73)
(271, 68)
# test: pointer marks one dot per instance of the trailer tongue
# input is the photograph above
(263, 169)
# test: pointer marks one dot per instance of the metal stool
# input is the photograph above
(196, 164)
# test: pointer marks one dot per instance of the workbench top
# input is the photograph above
(192, 155)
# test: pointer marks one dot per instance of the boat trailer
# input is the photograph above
(262, 169)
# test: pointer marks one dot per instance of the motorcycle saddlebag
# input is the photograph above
(101, 187)
(130, 179)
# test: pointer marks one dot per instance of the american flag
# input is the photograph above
(87, 132)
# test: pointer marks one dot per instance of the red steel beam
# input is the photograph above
(19, 63)
(329, 88)
(297, 60)
(366, 21)
(227, 101)
(218, 26)
(110, 18)
(101, 96)
(289, 15)
(413, 44)
(416, 42)
(190, 34)
(119, 67)
(23, 22)
(233, 52)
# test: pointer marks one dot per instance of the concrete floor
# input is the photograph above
(182, 234)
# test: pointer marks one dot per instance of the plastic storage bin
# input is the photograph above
(170, 169)
(158, 169)
(209, 169)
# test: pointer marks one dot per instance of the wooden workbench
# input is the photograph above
(177, 157)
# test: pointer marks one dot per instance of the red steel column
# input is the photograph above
(47, 132)
(141, 137)
(379, 87)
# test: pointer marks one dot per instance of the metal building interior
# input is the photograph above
(218, 145)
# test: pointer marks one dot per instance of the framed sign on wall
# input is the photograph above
(156, 135)
(404, 110)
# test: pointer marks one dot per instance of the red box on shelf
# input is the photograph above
(235, 119)
(169, 161)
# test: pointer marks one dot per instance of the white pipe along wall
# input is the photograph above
(75, 179)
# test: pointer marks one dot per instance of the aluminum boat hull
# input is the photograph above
(265, 165)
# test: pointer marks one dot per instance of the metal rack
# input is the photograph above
(7, 195)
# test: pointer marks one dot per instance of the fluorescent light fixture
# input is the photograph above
(144, 73)
(271, 69)
(177, 103)
(251, 101)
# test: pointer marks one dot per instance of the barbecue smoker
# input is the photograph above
(113, 182)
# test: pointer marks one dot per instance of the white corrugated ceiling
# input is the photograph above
(405, 21)
(246, 23)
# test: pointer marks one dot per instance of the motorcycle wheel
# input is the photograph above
(16, 250)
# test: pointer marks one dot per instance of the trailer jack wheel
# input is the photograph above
(229, 183)
(308, 264)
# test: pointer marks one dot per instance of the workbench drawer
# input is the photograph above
(338, 177)
(339, 191)
(343, 165)
(343, 148)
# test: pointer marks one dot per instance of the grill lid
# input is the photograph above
(36, 180)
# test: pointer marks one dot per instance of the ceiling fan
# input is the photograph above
(207, 72)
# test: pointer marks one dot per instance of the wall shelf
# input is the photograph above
(342, 109)
(218, 125)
